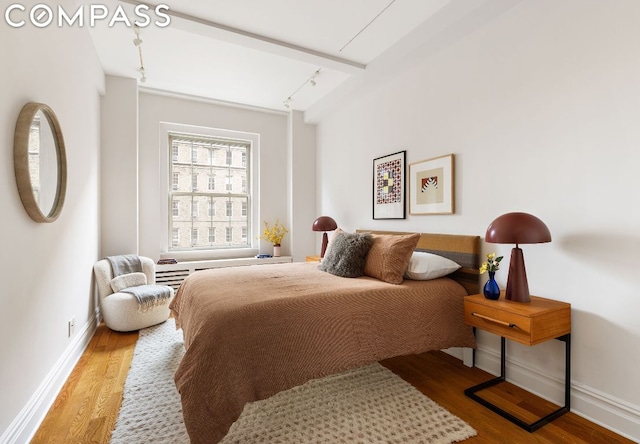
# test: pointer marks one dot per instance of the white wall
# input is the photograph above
(46, 268)
(119, 167)
(541, 107)
(271, 126)
(301, 167)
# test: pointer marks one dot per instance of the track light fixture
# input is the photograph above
(311, 80)
(138, 43)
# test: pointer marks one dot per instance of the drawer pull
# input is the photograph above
(497, 321)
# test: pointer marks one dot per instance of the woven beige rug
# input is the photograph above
(366, 405)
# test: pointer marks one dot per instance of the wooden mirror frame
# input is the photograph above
(21, 162)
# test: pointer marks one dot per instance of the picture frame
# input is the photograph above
(431, 186)
(389, 186)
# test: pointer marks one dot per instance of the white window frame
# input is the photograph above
(254, 191)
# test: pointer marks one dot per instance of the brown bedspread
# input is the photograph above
(253, 331)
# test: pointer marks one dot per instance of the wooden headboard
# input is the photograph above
(462, 249)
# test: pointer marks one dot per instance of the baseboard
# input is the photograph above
(605, 410)
(465, 354)
(25, 425)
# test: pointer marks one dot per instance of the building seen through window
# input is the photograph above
(209, 199)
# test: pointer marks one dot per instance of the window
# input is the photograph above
(229, 208)
(201, 208)
(229, 234)
(194, 154)
(194, 208)
(175, 208)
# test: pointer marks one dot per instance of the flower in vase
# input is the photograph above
(492, 263)
(275, 233)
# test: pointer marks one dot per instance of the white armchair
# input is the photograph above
(120, 311)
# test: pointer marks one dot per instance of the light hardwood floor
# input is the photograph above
(87, 407)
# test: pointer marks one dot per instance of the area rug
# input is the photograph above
(366, 405)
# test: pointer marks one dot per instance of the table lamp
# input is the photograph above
(517, 228)
(324, 223)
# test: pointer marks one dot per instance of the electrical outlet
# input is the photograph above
(71, 326)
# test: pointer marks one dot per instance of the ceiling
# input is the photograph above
(258, 52)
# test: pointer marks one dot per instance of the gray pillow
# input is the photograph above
(347, 254)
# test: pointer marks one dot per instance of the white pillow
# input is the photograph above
(424, 266)
(123, 281)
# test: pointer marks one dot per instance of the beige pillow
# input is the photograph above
(123, 281)
(389, 256)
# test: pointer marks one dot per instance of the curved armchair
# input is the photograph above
(120, 311)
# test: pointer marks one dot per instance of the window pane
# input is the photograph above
(203, 213)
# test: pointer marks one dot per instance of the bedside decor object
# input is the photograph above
(389, 188)
(40, 162)
(491, 289)
(529, 324)
(517, 228)
(274, 234)
(431, 186)
(347, 255)
(324, 223)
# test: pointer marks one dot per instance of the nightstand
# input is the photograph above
(527, 323)
(312, 259)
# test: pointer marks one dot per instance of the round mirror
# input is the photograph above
(40, 162)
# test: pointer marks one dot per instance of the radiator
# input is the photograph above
(173, 274)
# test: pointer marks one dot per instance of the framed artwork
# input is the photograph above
(389, 186)
(431, 186)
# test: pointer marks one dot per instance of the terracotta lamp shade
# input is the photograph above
(517, 228)
(324, 223)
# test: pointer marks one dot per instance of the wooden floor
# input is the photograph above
(87, 407)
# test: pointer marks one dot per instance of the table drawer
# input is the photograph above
(499, 322)
(527, 323)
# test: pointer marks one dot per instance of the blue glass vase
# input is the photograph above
(491, 289)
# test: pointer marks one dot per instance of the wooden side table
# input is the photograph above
(529, 324)
(312, 259)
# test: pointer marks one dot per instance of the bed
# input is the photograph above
(250, 332)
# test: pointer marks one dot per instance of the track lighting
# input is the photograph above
(138, 43)
(311, 80)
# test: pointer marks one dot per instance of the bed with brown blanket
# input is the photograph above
(250, 332)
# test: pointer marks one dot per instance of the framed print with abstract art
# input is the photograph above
(389, 187)
(431, 186)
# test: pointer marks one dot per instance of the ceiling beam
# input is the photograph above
(218, 31)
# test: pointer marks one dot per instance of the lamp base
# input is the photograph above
(325, 242)
(517, 285)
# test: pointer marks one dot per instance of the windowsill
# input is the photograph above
(223, 263)
(207, 255)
